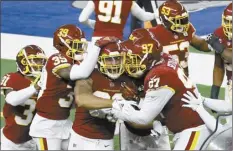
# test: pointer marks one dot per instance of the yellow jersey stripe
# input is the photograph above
(167, 87)
(195, 140)
(41, 144)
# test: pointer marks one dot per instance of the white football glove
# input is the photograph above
(101, 113)
(193, 102)
(122, 108)
(157, 130)
(104, 114)
(111, 118)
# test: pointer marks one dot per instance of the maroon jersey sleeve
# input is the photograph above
(191, 31)
(14, 81)
(57, 62)
(219, 32)
(222, 37)
(164, 76)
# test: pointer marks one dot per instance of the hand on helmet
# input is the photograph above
(104, 41)
(214, 43)
(192, 101)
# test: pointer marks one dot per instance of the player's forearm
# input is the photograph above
(200, 44)
(90, 23)
(208, 119)
(84, 70)
(218, 105)
(154, 102)
(86, 12)
(15, 98)
(91, 102)
(227, 55)
(141, 14)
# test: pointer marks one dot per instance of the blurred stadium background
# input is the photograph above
(33, 22)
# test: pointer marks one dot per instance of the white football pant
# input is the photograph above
(192, 138)
(78, 142)
(50, 134)
(51, 143)
(228, 96)
(130, 141)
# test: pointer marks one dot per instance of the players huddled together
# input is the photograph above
(141, 84)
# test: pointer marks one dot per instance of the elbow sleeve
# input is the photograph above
(15, 98)
(84, 70)
(81, 19)
(85, 14)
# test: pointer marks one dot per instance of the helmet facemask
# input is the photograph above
(31, 65)
(76, 48)
(112, 65)
(134, 65)
(227, 26)
(179, 24)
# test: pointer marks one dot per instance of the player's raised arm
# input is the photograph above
(86, 13)
(70, 41)
(141, 14)
(82, 70)
(218, 75)
(218, 105)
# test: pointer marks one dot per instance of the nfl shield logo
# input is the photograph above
(112, 84)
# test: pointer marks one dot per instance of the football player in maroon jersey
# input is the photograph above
(141, 39)
(176, 33)
(20, 90)
(221, 42)
(91, 128)
(111, 16)
(164, 87)
(51, 126)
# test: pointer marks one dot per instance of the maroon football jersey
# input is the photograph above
(169, 75)
(228, 44)
(92, 127)
(56, 95)
(111, 17)
(175, 44)
(17, 118)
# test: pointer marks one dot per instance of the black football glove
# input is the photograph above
(214, 42)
